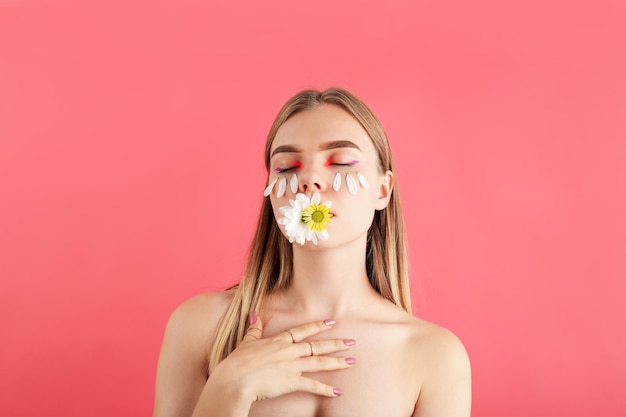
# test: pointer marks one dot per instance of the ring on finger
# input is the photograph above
(250, 333)
(251, 328)
(293, 340)
(311, 347)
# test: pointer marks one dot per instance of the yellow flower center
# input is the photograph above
(316, 217)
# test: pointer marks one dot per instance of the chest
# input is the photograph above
(378, 385)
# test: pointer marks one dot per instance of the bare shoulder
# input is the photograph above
(421, 336)
(429, 349)
(201, 311)
(205, 303)
(195, 320)
(183, 361)
(439, 356)
(436, 341)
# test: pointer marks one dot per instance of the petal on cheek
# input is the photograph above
(269, 188)
(337, 182)
(282, 186)
(351, 183)
(362, 180)
(294, 183)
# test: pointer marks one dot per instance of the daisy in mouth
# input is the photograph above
(306, 219)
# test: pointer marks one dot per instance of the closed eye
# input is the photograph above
(283, 170)
(343, 164)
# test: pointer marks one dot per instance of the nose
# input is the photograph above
(310, 180)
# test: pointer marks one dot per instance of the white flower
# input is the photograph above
(306, 219)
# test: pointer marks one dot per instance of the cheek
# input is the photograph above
(355, 210)
(363, 198)
(276, 204)
(351, 224)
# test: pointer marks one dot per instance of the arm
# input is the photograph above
(446, 390)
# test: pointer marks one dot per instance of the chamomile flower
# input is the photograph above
(316, 217)
(306, 219)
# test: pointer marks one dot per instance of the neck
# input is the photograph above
(329, 283)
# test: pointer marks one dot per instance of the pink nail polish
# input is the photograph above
(329, 322)
(337, 391)
(350, 361)
(349, 342)
(253, 317)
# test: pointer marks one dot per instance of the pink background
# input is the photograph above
(131, 137)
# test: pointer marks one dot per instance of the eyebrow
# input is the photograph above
(335, 144)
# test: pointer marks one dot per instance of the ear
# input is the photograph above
(385, 189)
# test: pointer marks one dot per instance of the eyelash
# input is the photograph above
(347, 164)
(283, 170)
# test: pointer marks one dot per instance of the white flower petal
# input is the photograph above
(268, 189)
(337, 182)
(294, 183)
(295, 229)
(362, 180)
(351, 183)
(302, 200)
(282, 186)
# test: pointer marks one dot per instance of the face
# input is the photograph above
(325, 150)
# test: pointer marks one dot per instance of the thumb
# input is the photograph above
(255, 330)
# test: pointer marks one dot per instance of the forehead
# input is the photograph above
(308, 129)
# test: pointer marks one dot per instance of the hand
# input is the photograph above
(268, 368)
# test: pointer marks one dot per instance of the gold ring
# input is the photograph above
(311, 347)
(293, 340)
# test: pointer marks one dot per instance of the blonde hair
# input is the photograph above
(270, 260)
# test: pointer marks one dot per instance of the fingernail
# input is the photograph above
(253, 317)
(337, 391)
(330, 322)
(349, 342)
(350, 361)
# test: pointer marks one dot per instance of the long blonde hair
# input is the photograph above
(270, 259)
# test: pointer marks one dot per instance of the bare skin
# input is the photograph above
(371, 359)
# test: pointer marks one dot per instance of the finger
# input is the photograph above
(324, 347)
(255, 330)
(315, 387)
(323, 363)
(300, 333)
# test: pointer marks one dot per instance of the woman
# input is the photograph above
(321, 322)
